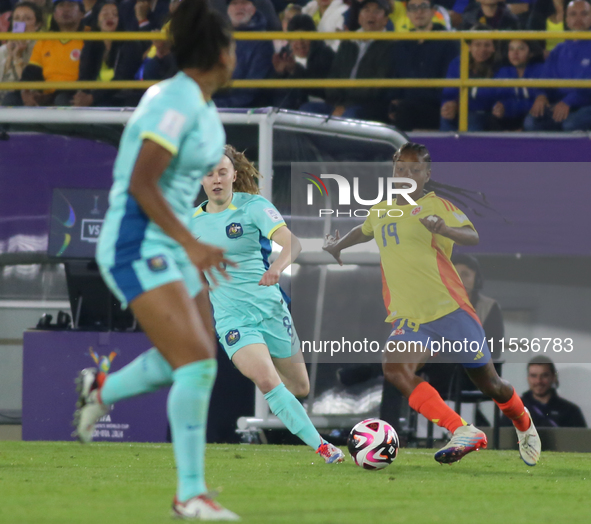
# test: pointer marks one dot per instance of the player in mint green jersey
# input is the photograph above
(149, 258)
(250, 311)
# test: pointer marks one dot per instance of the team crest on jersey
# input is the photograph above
(234, 230)
(398, 332)
(416, 210)
(157, 263)
(232, 337)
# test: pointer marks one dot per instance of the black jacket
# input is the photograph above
(125, 58)
(558, 412)
(318, 66)
(426, 59)
(376, 63)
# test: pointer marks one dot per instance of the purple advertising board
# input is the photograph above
(523, 177)
(51, 362)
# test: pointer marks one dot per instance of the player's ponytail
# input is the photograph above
(246, 174)
(465, 198)
(198, 34)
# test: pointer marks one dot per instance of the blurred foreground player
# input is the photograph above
(151, 261)
(427, 302)
(252, 321)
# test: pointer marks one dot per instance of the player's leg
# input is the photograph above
(147, 373)
(488, 381)
(254, 362)
(171, 319)
(293, 373)
(402, 361)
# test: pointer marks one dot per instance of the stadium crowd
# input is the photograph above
(409, 109)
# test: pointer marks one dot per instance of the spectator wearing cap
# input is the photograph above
(419, 108)
(53, 60)
(107, 60)
(328, 15)
(566, 109)
(253, 57)
(301, 59)
(360, 59)
(546, 408)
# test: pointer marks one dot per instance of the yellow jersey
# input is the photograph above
(59, 59)
(419, 281)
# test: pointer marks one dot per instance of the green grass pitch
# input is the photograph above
(58, 482)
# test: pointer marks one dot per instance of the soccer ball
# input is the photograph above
(373, 444)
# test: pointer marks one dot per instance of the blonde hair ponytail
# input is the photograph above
(246, 174)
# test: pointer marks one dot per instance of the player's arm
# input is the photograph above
(152, 161)
(462, 236)
(290, 249)
(335, 244)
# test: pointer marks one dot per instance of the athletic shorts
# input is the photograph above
(159, 266)
(458, 326)
(278, 334)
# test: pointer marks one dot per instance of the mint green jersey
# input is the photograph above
(244, 230)
(175, 115)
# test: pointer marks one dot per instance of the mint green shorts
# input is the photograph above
(278, 334)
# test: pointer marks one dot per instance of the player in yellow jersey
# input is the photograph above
(427, 305)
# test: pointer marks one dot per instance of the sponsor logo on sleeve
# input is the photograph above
(274, 215)
(172, 123)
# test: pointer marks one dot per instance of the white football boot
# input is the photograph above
(90, 409)
(330, 453)
(464, 440)
(530, 445)
(201, 507)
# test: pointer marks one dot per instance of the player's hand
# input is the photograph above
(560, 112)
(498, 110)
(206, 258)
(449, 110)
(330, 246)
(435, 224)
(539, 107)
(270, 278)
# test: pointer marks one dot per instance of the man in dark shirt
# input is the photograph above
(546, 408)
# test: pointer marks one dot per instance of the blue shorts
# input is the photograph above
(459, 327)
(158, 266)
(278, 334)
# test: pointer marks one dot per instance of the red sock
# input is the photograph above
(515, 410)
(429, 403)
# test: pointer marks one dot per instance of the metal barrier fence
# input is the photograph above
(464, 83)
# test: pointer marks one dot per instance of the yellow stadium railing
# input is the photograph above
(464, 83)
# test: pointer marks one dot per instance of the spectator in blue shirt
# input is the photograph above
(254, 58)
(566, 109)
(483, 64)
(514, 103)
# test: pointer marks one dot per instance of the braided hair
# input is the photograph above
(246, 174)
(456, 194)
